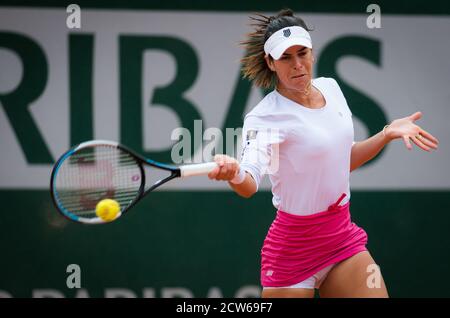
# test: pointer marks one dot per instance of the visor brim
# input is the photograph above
(283, 46)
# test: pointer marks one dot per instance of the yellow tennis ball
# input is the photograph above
(108, 209)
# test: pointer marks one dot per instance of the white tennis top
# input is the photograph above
(305, 151)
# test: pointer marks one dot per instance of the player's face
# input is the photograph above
(294, 68)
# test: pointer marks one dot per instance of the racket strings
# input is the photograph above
(93, 174)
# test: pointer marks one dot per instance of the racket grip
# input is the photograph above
(197, 169)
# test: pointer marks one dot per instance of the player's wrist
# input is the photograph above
(239, 177)
(386, 134)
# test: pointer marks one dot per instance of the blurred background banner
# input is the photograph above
(134, 72)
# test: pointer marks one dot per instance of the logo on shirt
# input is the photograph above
(251, 134)
(287, 33)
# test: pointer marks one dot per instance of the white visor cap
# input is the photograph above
(283, 39)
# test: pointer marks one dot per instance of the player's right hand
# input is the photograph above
(227, 168)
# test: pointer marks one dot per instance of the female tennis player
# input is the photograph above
(301, 134)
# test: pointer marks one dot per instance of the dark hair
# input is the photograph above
(254, 66)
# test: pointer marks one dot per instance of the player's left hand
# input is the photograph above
(406, 129)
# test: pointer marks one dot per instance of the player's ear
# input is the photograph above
(269, 62)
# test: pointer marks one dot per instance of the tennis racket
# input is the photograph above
(99, 169)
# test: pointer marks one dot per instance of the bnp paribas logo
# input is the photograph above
(287, 32)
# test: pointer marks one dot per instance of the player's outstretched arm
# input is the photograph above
(404, 128)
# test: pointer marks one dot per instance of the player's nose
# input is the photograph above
(297, 62)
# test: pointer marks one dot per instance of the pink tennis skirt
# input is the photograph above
(296, 247)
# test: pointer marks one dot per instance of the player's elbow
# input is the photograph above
(246, 190)
(246, 194)
(250, 190)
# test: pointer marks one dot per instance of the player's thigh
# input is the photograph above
(287, 293)
(357, 276)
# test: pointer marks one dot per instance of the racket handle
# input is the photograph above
(197, 169)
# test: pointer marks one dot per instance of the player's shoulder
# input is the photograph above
(326, 82)
(267, 106)
(329, 85)
(332, 89)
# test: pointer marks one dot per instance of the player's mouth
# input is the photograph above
(299, 76)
